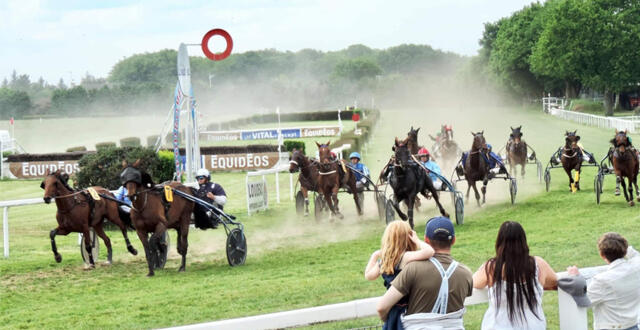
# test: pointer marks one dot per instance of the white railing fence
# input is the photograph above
(571, 316)
(555, 107)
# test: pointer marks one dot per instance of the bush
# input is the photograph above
(151, 140)
(130, 142)
(74, 149)
(588, 106)
(291, 144)
(104, 145)
(103, 168)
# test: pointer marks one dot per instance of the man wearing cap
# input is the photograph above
(361, 171)
(614, 294)
(436, 287)
(425, 159)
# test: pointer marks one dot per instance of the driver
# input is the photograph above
(362, 171)
(123, 195)
(210, 192)
(425, 158)
(495, 162)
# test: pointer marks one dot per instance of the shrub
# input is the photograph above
(587, 106)
(291, 144)
(104, 145)
(130, 142)
(103, 168)
(80, 148)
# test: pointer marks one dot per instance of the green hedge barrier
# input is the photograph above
(74, 149)
(295, 144)
(104, 145)
(130, 142)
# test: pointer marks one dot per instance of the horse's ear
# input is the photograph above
(42, 184)
(411, 128)
(615, 131)
(512, 128)
(64, 177)
(574, 132)
(472, 134)
(317, 144)
(482, 133)
(417, 129)
(136, 164)
(396, 142)
(393, 148)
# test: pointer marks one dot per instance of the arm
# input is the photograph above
(546, 275)
(425, 251)
(480, 280)
(372, 271)
(390, 298)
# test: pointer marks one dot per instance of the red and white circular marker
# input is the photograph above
(205, 44)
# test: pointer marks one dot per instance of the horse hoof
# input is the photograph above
(132, 250)
(631, 203)
(150, 274)
(106, 263)
(89, 267)
(617, 193)
(340, 216)
(181, 270)
(58, 258)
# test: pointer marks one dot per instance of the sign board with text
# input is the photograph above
(271, 133)
(33, 169)
(257, 196)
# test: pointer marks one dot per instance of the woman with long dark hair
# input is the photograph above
(516, 281)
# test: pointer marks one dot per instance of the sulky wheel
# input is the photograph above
(361, 201)
(299, 203)
(95, 247)
(161, 255)
(513, 190)
(318, 205)
(389, 213)
(539, 170)
(236, 247)
(459, 205)
(547, 179)
(381, 200)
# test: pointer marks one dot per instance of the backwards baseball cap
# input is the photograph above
(440, 229)
(576, 286)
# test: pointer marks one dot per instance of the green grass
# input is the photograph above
(297, 262)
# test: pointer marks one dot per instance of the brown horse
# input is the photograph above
(78, 211)
(152, 213)
(476, 167)
(625, 164)
(308, 177)
(412, 141)
(517, 151)
(332, 175)
(571, 158)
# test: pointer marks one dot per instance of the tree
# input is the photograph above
(357, 69)
(13, 103)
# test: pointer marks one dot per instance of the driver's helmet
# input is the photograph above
(489, 147)
(355, 155)
(203, 172)
(423, 152)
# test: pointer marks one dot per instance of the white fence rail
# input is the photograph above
(597, 121)
(571, 316)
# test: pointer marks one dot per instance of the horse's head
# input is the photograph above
(324, 153)
(131, 178)
(297, 159)
(571, 139)
(446, 132)
(516, 134)
(479, 141)
(53, 184)
(413, 134)
(621, 141)
(402, 153)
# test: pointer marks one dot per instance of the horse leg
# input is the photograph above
(475, 190)
(630, 200)
(144, 238)
(334, 197)
(115, 219)
(183, 243)
(635, 184)
(87, 246)
(522, 167)
(327, 198)
(571, 184)
(577, 180)
(484, 189)
(436, 198)
(305, 193)
(624, 188)
(157, 244)
(107, 242)
(618, 179)
(52, 235)
(356, 198)
(468, 190)
(410, 201)
(396, 206)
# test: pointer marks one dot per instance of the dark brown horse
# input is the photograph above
(412, 141)
(152, 213)
(332, 175)
(308, 177)
(625, 164)
(517, 151)
(476, 167)
(571, 158)
(407, 180)
(78, 211)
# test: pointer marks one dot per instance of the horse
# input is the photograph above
(517, 151)
(333, 174)
(476, 167)
(152, 213)
(571, 159)
(308, 177)
(408, 179)
(412, 141)
(625, 164)
(445, 147)
(78, 211)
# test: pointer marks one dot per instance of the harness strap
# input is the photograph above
(440, 307)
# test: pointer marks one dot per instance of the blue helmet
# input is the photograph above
(488, 146)
(355, 155)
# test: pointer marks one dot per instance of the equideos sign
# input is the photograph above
(32, 169)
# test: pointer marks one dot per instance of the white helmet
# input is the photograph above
(203, 172)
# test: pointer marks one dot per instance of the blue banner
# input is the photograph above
(178, 96)
(287, 133)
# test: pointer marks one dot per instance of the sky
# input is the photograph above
(67, 39)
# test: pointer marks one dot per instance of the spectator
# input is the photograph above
(400, 245)
(436, 288)
(615, 293)
(516, 281)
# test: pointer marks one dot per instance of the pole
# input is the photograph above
(1, 159)
(5, 230)
(290, 186)
(277, 188)
(187, 138)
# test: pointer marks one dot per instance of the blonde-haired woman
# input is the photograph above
(399, 246)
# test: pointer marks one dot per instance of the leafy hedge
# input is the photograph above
(130, 142)
(103, 168)
(47, 157)
(295, 144)
(74, 149)
(103, 145)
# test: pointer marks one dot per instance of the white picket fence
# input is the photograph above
(555, 106)
(571, 316)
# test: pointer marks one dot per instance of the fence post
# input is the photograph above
(571, 316)
(5, 230)
(290, 186)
